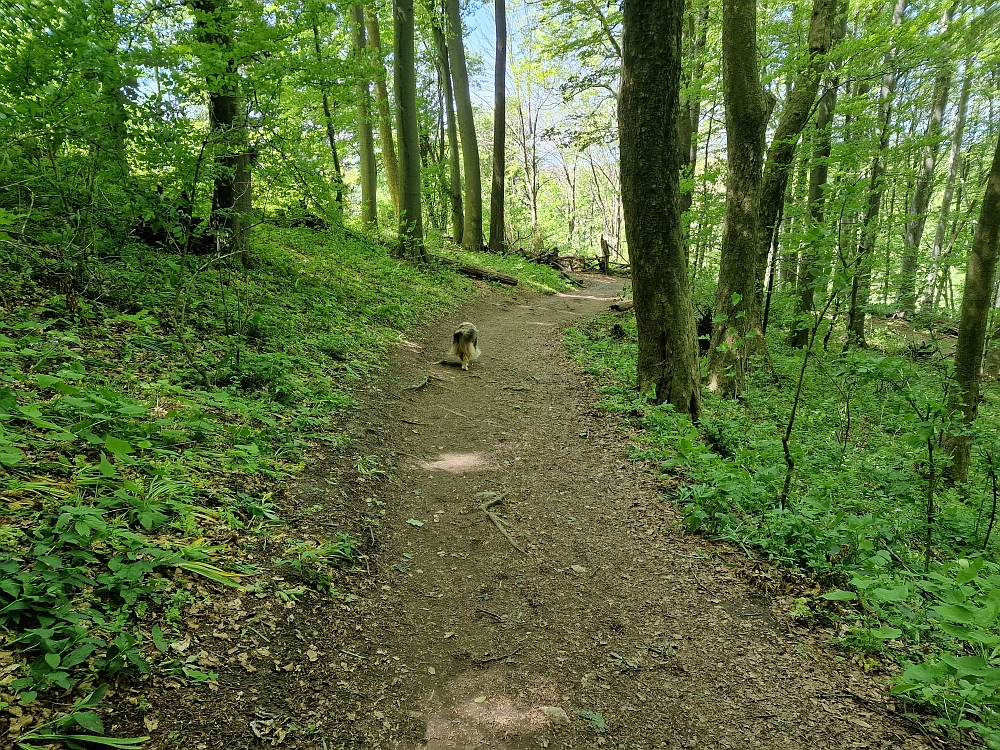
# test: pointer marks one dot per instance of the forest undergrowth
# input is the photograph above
(148, 412)
(903, 567)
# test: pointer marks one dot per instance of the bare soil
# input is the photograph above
(594, 622)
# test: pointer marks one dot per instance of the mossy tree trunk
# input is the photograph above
(499, 132)
(411, 229)
(366, 139)
(455, 157)
(748, 107)
(472, 234)
(650, 173)
(382, 103)
(976, 303)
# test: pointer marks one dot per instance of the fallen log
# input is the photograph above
(476, 272)
(623, 306)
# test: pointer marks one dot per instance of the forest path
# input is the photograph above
(609, 610)
(629, 633)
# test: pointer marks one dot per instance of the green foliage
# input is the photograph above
(857, 517)
(117, 459)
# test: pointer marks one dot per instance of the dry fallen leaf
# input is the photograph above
(151, 723)
(480, 699)
(312, 654)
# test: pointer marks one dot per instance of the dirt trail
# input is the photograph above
(458, 639)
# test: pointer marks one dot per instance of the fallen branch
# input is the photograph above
(476, 272)
(499, 522)
(623, 306)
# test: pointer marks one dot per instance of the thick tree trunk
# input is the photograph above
(917, 217)
(954, 165)
(384, 116)
(650, 174)
(366, 141)
(747, 111)
(454, 160)
(472, 235)
(819, 172)
(861, 283)
(331, 133)
(411, 228)
(976, 302)
(499, 133)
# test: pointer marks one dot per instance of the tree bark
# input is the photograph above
(861, 283)
(689, 118)
(231, 194)
(924, 186)
(499, 133)
(650, 174)
(747, 111)
(454, 161)
(411, 229)
(976, 302)
(331, 133)
(818, 174)
(366, 141)
(472, 234)
(384, 116)
(954, 166)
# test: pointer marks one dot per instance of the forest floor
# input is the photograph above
(611, 628)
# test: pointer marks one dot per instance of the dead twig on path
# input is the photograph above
(498, 658)
(702, 586)
(499, 522)
(494, 615)
(457, 413)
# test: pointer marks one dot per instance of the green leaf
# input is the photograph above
(52, 660)
(886, 633)
(414, 522)
(159, 641)
(839, 596)
(117, 445)
(89, 721)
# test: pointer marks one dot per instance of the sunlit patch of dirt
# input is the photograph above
(539, 323)
(477, 710)
(586, 296)
(411, 346)
(457, 463)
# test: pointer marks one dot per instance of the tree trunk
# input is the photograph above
(454, 161)
(411, 228)
(384, 116)
(231, 195)
(472, 234)
(818, 175)
(954, 165)
(976, 302)
(366, 141)
(331, 133)
(499, 133)
(747, 111)
(650, 174)
(689, 117)
(925, 184)
(861, 283)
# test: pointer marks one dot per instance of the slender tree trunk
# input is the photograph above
(231, 197)
(954, 165)
(411, 228)
(472, 235)
(499, 133)
(454, 161)
(861, 283)
(331, 133)
(689, 117)
(384, 115)
(924, 185)
(976, 302)
(819, 172)
(650, 174)
(747, 111)
(366, 141)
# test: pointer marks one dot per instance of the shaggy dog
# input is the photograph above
(464, 343)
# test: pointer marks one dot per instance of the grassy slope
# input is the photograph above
(856, 516)
(120, 466)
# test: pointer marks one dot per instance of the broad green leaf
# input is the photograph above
(117, 445)
(839, 596)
